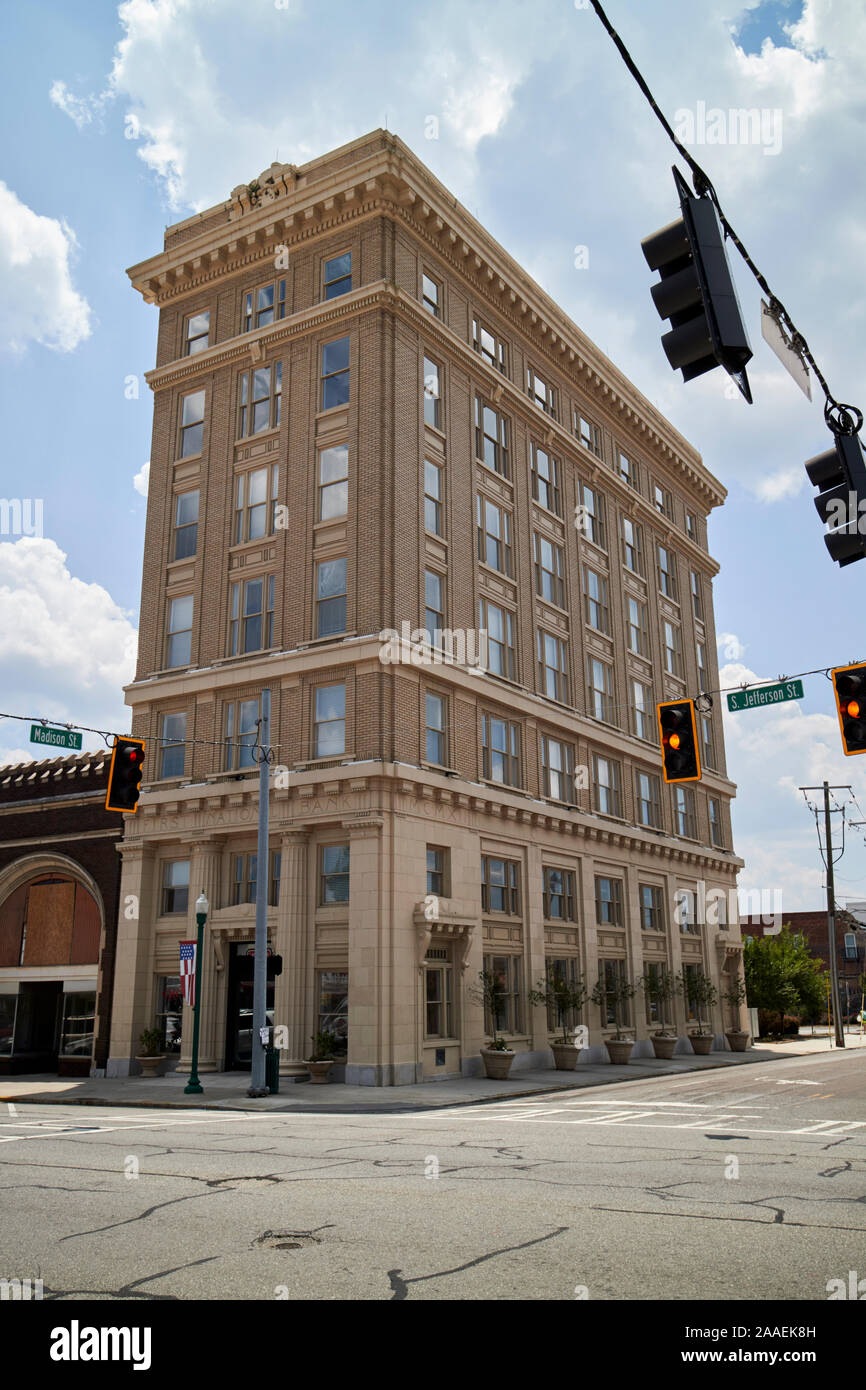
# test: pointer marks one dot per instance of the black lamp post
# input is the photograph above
(193, 1086)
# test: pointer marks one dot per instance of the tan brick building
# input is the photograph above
(367, 415)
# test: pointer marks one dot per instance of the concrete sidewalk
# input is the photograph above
(227, 1090)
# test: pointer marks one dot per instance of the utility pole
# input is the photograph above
(260, 962)
(831, 905)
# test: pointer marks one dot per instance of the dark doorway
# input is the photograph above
(37, 1026)
(239, 1025)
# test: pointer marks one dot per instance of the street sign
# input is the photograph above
(55, 738)
(774, 333)
(763, 695)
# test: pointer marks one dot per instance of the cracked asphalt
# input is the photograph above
(744, 1184)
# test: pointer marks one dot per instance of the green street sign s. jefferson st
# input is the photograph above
(762, 695)
(55, 738)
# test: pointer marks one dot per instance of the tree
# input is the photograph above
(618, 991)
(563, 998)
(699, 993)
(659, 987)
(782, 975)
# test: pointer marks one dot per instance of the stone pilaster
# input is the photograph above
(293, 1003)
(133, 971)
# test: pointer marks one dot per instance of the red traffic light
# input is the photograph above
(124, 775)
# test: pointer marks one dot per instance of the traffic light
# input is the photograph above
(679, 736)
(840, 476)
(697, 293)
(124, 775)
(849, 685)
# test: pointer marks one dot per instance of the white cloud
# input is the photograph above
(141, 480)
(66, 648)
(787, 482)
(38, 301)
(83, 111)
(732, 649)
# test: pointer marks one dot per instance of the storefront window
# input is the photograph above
(334, 1005)
(79, 1018)
(169, 1012)
(8, 1004)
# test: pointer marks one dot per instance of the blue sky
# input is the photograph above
(154, 108)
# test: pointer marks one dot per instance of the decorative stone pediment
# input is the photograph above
(434, 917)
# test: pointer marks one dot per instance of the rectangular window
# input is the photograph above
(494, 535)
(433, 497)
(337, 275)
(255, 504)
(185, 525)
(333, 482)
(557, 765)
(588, 434)
(437, 862)
(632, 546)
(708, 751)
(334, 877)
(78, 1025)
(431, 295)
(558, 894)
(245, 879)
(498, 623)
(491, 438)
(647, 799)
(667, 574)
(606, 786)
(595, 600)
(610, 973)
(263, 305)
(702, 665)
(628, 471)
(330, 597)
(608, 902)
(552, 667)
(567, 970)
(335, 373)
(436, 729)
(636, 627)
(590, 519)
(686, 910)
(697, 596)
(488, 345)
(259, 398)
(642, 712)
(691, 526)
(500, 885)
(652, 907)
(545, 480)
(191, 424)
(333, 1014)
(432, 395)
(197, 333)
(600, 689)
(663, 502)
(180, 631)
(173, 747)
(329, 722)
(241, 734)
(673, 653)
(506, 969)
(685, 807)
(175, 896)
(438, 995)
(500, 750)
(715, 807)
(251, 625)
(549, 570)
(434, 607)
(538, 390)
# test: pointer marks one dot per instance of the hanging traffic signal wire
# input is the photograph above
(839, 418)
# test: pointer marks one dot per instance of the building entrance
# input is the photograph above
(239, 1025)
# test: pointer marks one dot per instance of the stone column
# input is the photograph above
(294, 942)
(376, 1047)
(133, 970)
(204, 877)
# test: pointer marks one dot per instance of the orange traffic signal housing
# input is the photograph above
(679, 739)
(849, 687)
(124, 775)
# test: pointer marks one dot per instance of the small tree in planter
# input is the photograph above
(564, 999)
(151, 1054)
(735, 995)
(620, 991)
(700, 994)
(322, 1058)
(497, 1055)
(660, 987)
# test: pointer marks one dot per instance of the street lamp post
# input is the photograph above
(202, 906)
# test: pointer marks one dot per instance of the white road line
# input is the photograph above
(150, 1124)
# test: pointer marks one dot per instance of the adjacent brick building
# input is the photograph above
(850, 948)
(367, 415)
(59, 904)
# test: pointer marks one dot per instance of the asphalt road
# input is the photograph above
(739, 1184)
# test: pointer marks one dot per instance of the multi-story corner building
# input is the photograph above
(366, 415)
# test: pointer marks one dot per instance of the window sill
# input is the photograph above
(272, 432)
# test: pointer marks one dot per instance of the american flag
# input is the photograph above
(187, 971)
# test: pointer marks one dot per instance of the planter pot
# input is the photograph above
(497, 1064)
(150, 1065)
(565, 1056)
(619, 1050)
(319, 1072)
(664, 1047)
(702, 1043)
(739, 1040)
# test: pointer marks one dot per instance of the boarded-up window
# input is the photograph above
(11, 926)
(85, 929)
(50, 912)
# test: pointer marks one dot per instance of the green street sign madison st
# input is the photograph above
(55, 738)
(763, 695)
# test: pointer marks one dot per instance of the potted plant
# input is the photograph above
(497, 1055)
(699, 993)
(660, 988)
(151, 1055)
(735, 995)
(618, 992)
(322, 1058)
(565, 999)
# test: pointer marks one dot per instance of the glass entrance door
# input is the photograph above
(239, 1029)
